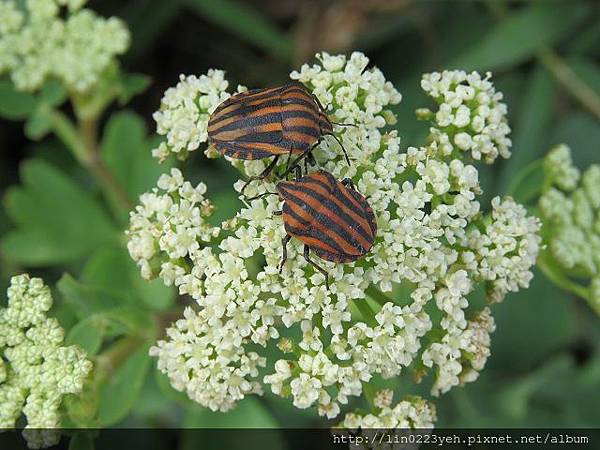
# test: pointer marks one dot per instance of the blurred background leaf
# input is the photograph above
(545, 363)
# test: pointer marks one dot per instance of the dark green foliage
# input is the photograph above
(55, 220)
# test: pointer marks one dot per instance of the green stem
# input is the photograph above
(578, 88)
(112, 358)
(82, 142)
(562, 281)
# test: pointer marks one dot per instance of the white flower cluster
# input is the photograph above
(36, 371)
(433, 241)
(470, 117)
(37, 43)
(185, 110)
(170, 220)
(413, 412)
(570, 210)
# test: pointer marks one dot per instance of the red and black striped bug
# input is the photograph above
(329, 216)
(269, 122)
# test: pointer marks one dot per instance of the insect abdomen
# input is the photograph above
(335, 222)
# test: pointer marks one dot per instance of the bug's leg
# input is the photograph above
(284, 243)
(345, 124)
(265, 173)
(319, 104)
(315, 265)
(277, 213)
(349, 182)
(287, 165)
(299, 158)
(264, 194)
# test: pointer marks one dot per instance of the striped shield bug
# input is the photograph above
(261, 123)
(329, 216)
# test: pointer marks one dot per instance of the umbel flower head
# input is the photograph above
(36, 371)
(404, 306)
(570, 210)
(42, 39)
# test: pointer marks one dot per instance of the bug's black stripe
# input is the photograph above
(248, 122)
(335, 191)
(335, 208)
(290, 102)
(312, 132)
(240, 152)
(289, 113)
(266, 137)
(326, 222)
(256, 95)
(243, 111)
(314, 232)
(370, 214)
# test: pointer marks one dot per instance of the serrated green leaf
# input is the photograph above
(112, 268)
(130, 320)
(88, 334)
(57, 222)
(86, 300)
(519, 36)
(15, 104)
(122, 390)
(245, 22)
(127, 151)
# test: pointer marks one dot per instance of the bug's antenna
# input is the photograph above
(341, 145)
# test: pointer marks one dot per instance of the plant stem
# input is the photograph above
(562, 281)
(112, 358)
(578, 88)
(82, 142)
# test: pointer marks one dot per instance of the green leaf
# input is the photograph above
(249, 413)
(53, 93)
(582, 133)
(127, 152)
(518, 37)
(247, 23)
(38, 125)
(111, 268)
(57, 222)
(588, 71)
(543, 308)
(15, 104)
(530, 134)
(122, 390)
(86, 300)
(88, 334)
(132, 85)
